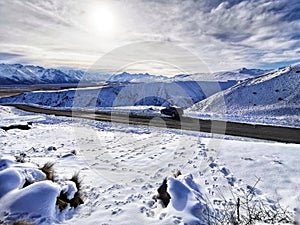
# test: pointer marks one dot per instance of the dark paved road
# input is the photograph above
(266, 132)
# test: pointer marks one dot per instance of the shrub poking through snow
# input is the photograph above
(30, 195)
(177, 174)
(71, 193)
(22, 223)
(20, 158)
(236, 206)
(48, 170)
(248, 208)
(163, 195)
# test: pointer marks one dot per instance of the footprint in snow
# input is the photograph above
(278, 162)
(247, 159)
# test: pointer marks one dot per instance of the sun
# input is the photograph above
(101, 18)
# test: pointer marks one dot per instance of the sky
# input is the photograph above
(217, 35)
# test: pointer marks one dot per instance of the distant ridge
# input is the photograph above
(28, 74)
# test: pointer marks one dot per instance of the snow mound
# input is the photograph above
(10, 179)
(36, 201)
(187, 200)
(25, 194)
(69, 189)
(270, 97)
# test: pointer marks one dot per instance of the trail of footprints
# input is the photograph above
(202, 161)
(118, 156)
(122, 154)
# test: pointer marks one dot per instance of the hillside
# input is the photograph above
(274, 96)
(181, 93)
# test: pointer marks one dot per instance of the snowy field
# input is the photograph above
(122, 166)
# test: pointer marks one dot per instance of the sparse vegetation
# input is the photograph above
(78, 199)
(22, 223)
(20, 158)
(48, 170)
(63, 200)
(163, 195)
(246, 209)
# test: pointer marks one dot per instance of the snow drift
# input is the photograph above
(26, 194)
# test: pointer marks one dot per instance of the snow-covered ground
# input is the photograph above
(273, 98)
(123, 165)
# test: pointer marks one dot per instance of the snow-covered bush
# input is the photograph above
(182, 196)
(29, 194)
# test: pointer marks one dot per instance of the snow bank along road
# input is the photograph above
(267, 132)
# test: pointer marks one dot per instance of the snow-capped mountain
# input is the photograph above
(236, 75)
(19, 74)
(29, 74)
(273, 95)
(135, 78)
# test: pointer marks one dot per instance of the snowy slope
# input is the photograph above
(181, 93)
(275, 95)
(122, 167)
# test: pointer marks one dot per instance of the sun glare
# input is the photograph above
(101, 18)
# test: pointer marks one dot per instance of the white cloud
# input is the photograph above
(225, 34)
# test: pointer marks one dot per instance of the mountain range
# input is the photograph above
(19, 74)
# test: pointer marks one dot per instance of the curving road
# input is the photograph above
(266, 132)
